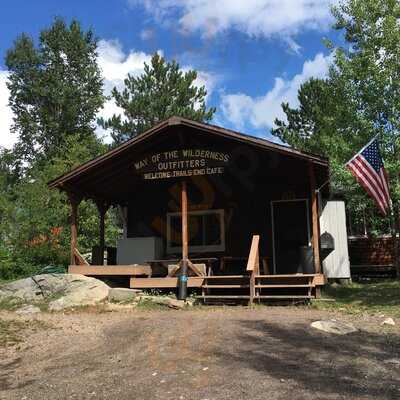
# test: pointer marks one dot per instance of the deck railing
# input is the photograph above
(253, 265)
(78, 258)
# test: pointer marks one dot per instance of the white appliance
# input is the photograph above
(138, 250)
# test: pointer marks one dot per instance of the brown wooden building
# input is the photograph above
(252, 211)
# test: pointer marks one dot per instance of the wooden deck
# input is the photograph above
(110, 270)
(217, 287)
(164, 283)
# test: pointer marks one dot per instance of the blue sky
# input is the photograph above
(250, 54)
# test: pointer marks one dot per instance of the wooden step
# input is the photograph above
(216, 296)
(226, 286)
(226, 277)
(110, 270)
(288, 276)
(284, 286)
(160, 283)
(283, 297)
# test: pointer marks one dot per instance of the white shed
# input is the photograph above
(333, 221)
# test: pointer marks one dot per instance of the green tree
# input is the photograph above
(326, 123)
(55, 89)
(37, 220)
(55, 93)
(360, 99)
(309, 127)
(6, 204)
(162, 91)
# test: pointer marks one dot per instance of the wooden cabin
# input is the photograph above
(240, 212)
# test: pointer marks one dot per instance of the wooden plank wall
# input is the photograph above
(244, 192)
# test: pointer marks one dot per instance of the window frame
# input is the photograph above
(202, 248)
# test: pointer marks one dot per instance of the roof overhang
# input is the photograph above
(65, 182)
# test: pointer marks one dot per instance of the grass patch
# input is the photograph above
(12, 331)
(10, 304)
(13, 303)
(149, 305)
(382, 297)
(99, 308)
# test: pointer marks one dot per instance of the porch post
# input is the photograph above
(185, 244)
(74, 201)
(315, 219)
(102, 206)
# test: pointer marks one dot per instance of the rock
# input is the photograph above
(176, 304)
(389, 321)
(336, 327)
(395, 361)
(29, 309)
(22, 289)
(122, 295)
(67, 290)
(190, 302)
(165, 301)
(151, 299)
(81, 291)
(161, 300)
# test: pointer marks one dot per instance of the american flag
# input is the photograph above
(367, 167)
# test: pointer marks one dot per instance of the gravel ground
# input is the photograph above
(226, 353)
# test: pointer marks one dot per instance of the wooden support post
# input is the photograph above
(185, 244)
(102, 206)
(74, 202)
(315, 220)
(185, 235)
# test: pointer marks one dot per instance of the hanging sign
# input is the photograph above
(182, 163)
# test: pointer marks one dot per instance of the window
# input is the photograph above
(206, 231)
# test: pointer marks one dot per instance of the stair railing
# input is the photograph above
(253, 266)
(79, 259)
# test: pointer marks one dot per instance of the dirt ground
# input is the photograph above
(227, 353)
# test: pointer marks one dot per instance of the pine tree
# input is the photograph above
(162, 91)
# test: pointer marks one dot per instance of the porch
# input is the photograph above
(218, 287)
(253, 286)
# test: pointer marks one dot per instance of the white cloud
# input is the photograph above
(116, 64)
(147, 34)
(261, 111)
(7, 139)
(266, 18)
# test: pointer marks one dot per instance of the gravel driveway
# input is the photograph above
(227, 353)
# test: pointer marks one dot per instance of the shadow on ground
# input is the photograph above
(359, 364)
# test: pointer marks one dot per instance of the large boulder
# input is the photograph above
(23, 289)
(61, 290)
(28, 309)
(333, 326)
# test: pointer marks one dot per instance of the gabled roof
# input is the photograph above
(202, 127)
